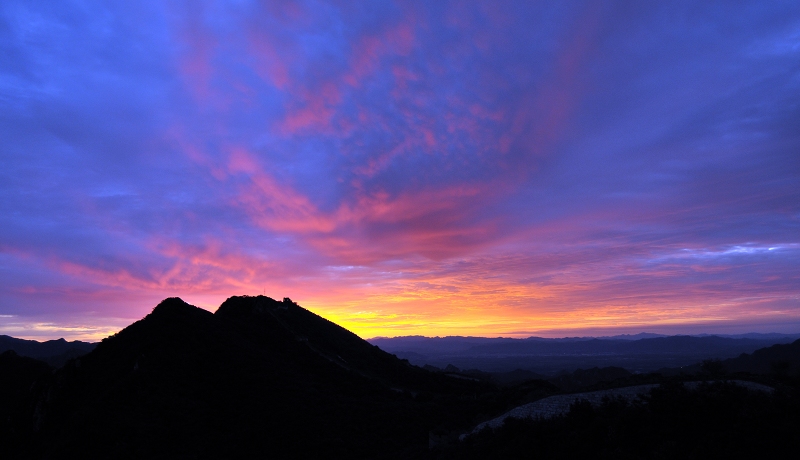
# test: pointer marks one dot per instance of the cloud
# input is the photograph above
(415, 168)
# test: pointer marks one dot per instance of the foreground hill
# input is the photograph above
(258, 377)
(18, 377)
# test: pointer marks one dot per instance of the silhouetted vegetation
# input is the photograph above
(717, 420)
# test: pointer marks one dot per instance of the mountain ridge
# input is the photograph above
(54, 352)
(258, 375)
(548, 356)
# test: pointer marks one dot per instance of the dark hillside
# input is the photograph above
(290, 323)
(18, 376)
(708, 417)
(782, 360)
(259, 376)
(777, 359)
(715, 420)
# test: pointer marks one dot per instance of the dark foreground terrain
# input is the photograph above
(268, 379)
(716, 420)
(257, 376)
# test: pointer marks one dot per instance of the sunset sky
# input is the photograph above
(549, 168)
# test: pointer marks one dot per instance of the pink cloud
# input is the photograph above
(544, 115)
(369, 52)
(309, 112)
(239, 160)
(196, 63)
(269, 64)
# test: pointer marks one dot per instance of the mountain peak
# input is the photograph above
(174, 312)
(175, 306)
(239, 306)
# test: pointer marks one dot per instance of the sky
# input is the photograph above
(403, 168)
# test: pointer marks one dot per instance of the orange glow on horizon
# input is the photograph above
(488, 310)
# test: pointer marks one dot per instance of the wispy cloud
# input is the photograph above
(402, 168)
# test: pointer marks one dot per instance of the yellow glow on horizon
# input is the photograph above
(445, 306)
(519, 311)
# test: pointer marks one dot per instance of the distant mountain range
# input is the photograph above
(54, 352)
(640, 335)
(638, 353)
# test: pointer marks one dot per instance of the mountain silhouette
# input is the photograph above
(780, 360)
(53, 352)
(258, 377)
(267, 378)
